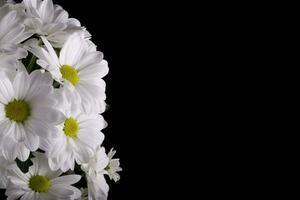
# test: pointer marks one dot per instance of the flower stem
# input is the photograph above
(33, 59)
(31, 63)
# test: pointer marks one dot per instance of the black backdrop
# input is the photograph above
(100, 21)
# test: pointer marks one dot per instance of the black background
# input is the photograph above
(145, 91)
(108, 34)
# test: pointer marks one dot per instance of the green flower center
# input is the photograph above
(70, 73)
(71, 128)
(17, 110)
(39, 183)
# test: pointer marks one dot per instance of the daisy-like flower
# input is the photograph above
(27, 113)
(50, 20)
(113, 167)
(79, 68)
(40, 183)
(79, 136)
(95, 171)
(13, 31)
(98, 166)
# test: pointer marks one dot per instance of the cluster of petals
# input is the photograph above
(52, 96)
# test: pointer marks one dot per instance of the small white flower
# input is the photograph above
(50, 20)
(95, 171)
(40, 183)
(79, 69)
(27, 113)
(98, 166)
(12, 31)
(79, 136)
(113, 167)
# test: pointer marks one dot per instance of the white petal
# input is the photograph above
(5, 127)
(21, 85)
(73, 50)
(66, 180)
(32, 141)
(48, 114)
(6, 91)
(63, 191)
(23, 152)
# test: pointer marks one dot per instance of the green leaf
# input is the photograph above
(24, 166)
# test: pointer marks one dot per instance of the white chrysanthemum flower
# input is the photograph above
(5, 165)
(27, 113)
(40, 183)
(79, 136)
(95, 171)
(98, 166)
(113, 167)
(50, 20)
(79, 68)
(12, 32)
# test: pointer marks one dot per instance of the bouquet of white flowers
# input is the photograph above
(52, 96)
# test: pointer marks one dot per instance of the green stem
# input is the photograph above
(33, 59)
(31, 63)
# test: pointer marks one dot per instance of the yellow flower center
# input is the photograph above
(17, 110)
(40, 183)
(71, 128)
(70, 73)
